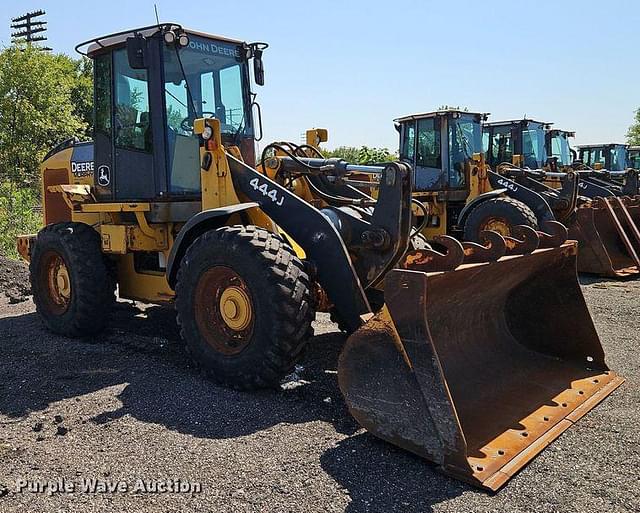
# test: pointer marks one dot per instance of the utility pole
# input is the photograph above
(26, 27)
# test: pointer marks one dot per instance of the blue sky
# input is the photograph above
(353, 66)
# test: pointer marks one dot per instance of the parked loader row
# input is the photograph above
(169, 205)
(604, 216)
(471, 176)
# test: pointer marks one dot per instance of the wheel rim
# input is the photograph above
(497, 224)
(224, 310)
(55, 276)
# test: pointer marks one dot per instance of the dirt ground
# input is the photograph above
(128, 405)
(14, 280)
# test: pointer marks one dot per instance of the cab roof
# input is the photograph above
(516, 121)
(601, 145)
(424, 115)
(100, 43)
(568, 133)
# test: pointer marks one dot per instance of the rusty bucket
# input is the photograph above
(480, 368)
(608, 232)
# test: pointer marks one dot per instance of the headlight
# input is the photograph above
(207, 133)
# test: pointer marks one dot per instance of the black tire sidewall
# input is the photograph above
(268, 299)
(92, 286)
(514, 212)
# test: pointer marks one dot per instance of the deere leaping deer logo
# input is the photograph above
(104, 176)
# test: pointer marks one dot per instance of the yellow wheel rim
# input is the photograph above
(54, 275)
(63, 282)
(235, 308)
(498, 225)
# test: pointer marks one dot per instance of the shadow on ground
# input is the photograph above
(143, 350)
(383, 478)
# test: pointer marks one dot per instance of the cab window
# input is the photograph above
(132, 121)
(407, 151)
(501, 145)
(428, 151)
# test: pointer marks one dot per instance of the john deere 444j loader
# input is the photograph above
(167, 204)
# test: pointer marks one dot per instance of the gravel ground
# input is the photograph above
(128, 405)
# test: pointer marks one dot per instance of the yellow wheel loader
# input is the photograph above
(167, 205)
(460, 194)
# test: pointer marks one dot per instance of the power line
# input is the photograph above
(26, 27)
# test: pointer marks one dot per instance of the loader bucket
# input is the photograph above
(480, 368)
(607, 230)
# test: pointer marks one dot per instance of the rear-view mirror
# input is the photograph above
(258, 67)
(137, 52)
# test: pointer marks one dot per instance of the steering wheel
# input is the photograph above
(186, 125)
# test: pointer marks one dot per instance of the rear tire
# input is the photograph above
(72, 287)
(498, 214)
(244, 306)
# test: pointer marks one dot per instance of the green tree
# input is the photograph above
(45, 98)
(633, 135)
(363, 155)
(82, 93)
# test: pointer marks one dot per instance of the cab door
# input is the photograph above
(129, 147)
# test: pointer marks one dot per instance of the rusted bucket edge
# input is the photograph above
(505, 473)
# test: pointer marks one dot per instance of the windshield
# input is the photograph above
(533, 151)
(560, 148)
(216, 85)
(592, 156)
(618, 158)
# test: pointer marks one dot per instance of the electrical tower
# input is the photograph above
(26, 27)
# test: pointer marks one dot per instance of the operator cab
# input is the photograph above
(437, 145)
(559, 148)
(523, 137)
(612, 157)
(150, 85)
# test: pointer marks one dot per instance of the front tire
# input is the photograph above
(72, 287)
(244, 306)
(500, 215)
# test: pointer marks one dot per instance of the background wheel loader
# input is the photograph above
(461, 195)
(167, 205)
(604, 218)
(611, 157)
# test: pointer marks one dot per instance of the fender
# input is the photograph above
(196, 226)
(476, 201)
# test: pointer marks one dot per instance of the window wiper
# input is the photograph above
(466, 146)
(175, 97)
(186, 82)
(236, 136)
